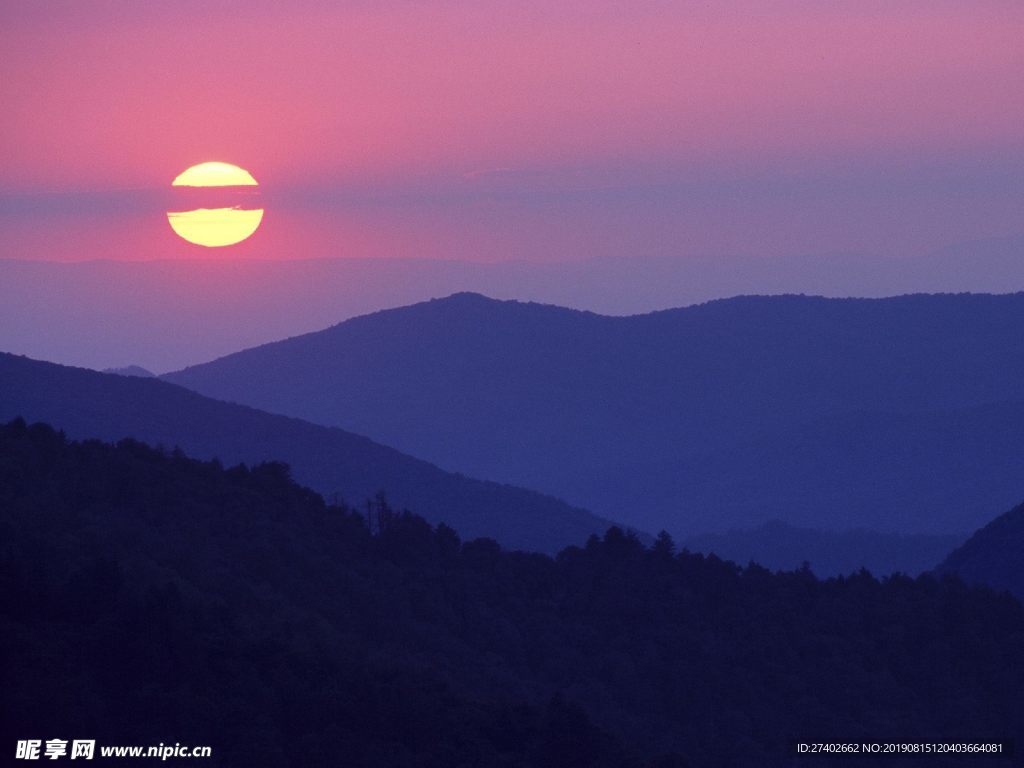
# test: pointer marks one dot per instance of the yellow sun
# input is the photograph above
(215, 227)
(214, 175)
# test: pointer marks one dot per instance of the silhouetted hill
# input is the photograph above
(994, 555)
(779, 546)
(149, 598)
(89, 404)
(131, 370)
(899, 414)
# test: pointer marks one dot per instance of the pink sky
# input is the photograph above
(519, 129)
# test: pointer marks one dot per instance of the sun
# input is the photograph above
(215, 227)
(214, 174)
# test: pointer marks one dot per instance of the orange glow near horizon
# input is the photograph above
(215, 227)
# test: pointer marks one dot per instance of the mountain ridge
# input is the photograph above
(598, 409)
(287, 631)
(88, 404)
(165, 314)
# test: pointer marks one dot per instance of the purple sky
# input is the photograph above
(518, 130)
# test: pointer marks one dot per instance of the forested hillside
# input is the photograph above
(148, 597)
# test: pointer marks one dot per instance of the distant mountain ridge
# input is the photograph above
(901, 415)
(165, 314)
(86, 404)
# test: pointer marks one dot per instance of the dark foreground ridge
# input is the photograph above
(148, 597)
(779, 546)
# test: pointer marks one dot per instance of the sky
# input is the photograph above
(536, 131)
